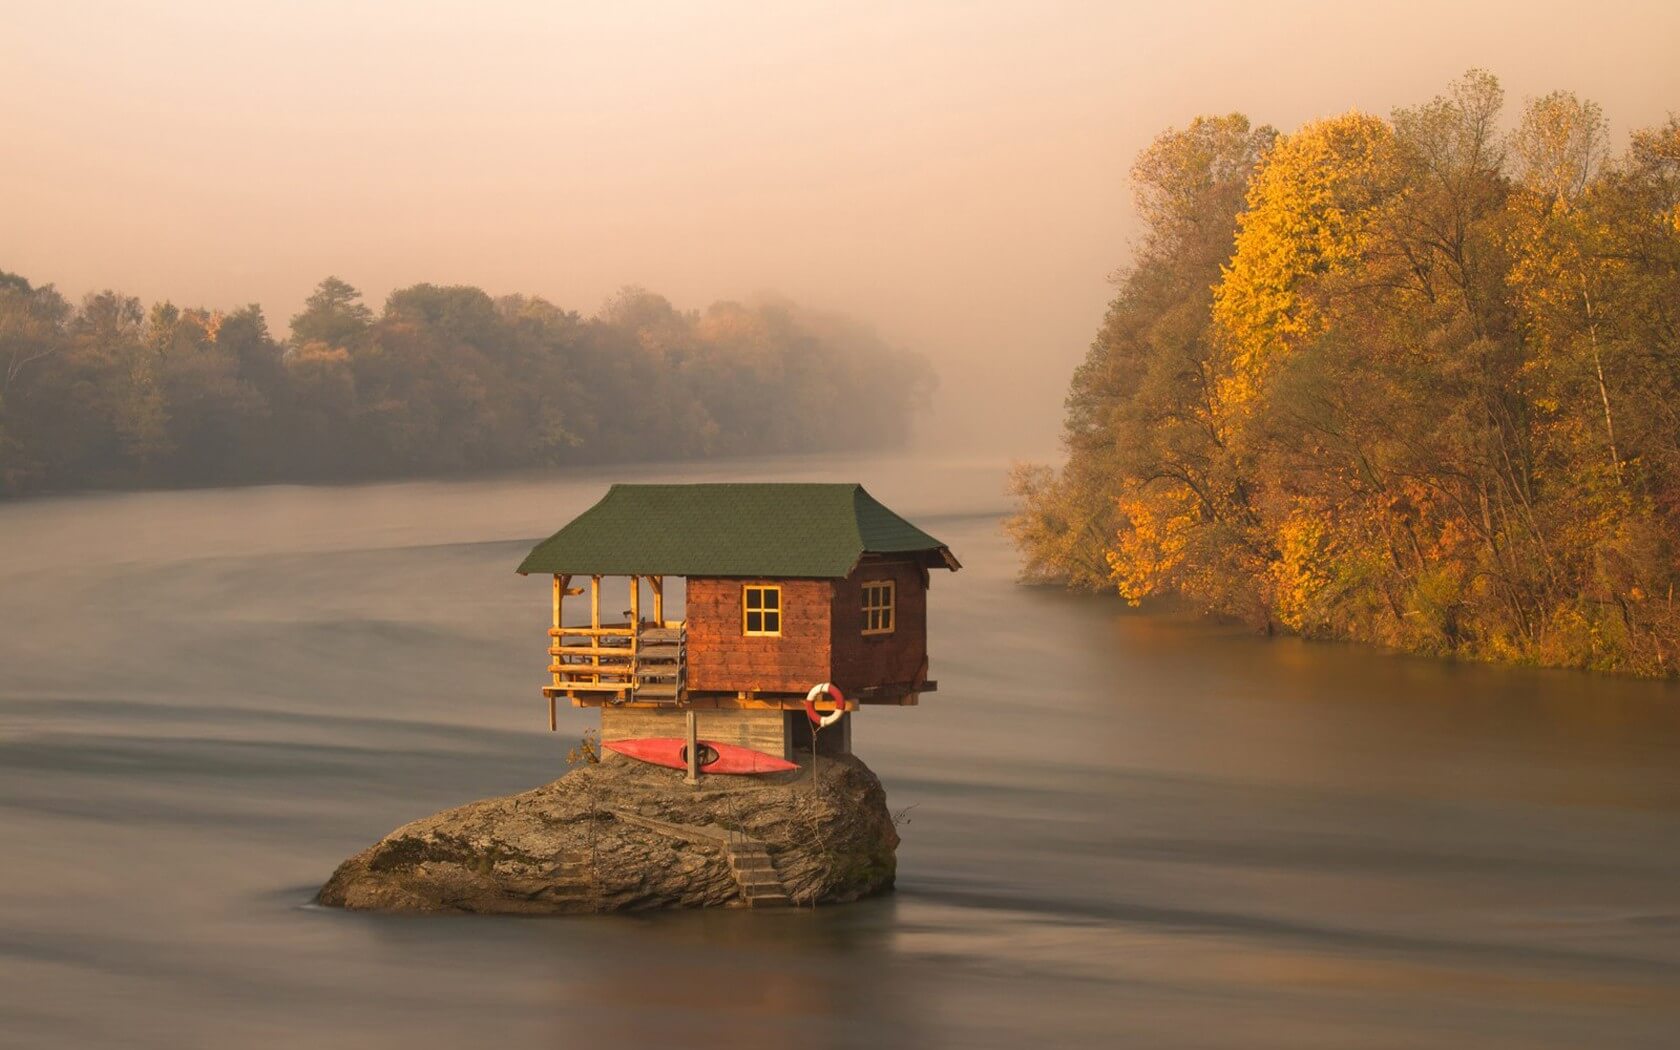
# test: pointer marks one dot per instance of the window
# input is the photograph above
(878, 607)
(761, 607)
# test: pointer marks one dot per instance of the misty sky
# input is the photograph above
(955, 173)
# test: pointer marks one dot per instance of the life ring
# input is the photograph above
(830, 689)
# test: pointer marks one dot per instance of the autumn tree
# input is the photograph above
(1149, 499)
(1433, 394)
(334, 315)
(32, 324)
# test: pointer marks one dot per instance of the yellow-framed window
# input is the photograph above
(761, 610)
(879, 612)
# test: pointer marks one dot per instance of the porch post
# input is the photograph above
(555, 641)
(595, 626)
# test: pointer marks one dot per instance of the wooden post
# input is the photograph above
(693, 776)
(658, 585)
(556, 641)
(595, 625)
(635, 631)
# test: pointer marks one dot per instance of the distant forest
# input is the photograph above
(444, 380)
(1412, 381)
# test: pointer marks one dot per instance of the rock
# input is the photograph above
(622, 834)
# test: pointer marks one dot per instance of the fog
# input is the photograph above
(953, 173)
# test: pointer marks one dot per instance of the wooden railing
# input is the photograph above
(641, 661)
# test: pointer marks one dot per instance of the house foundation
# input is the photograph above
(770, 730)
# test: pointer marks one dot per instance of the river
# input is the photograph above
(1119, 829)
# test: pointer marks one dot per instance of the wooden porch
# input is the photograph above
(639, 658)
(643, 660)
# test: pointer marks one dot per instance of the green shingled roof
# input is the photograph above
(730, 530)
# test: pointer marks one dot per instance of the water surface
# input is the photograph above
(1118, 829)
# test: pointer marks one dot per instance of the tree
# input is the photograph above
(1561, 144)
(1312, 218)
(334, 315)
(1149, 474)
(32, 324)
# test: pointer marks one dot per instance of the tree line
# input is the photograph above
(442, 380)
(1412, 381)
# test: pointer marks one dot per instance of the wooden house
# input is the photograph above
(787, 586)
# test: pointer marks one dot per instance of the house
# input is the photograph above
(783, 586)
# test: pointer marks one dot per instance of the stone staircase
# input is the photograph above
(576, 883)
(749, 860)
(754, 872)
(567, 885)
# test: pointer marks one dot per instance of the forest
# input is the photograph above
(1411, 381)
(443, 380)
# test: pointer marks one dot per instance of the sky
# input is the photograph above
(954, 173)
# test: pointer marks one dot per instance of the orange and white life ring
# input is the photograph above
(832, 691)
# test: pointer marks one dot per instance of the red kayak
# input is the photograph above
(714, 757)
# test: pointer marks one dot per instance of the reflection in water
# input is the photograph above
(1118, 828)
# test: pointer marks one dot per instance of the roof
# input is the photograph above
(777, 530)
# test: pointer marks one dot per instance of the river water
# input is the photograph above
(1119, 830)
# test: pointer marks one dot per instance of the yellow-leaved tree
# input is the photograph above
(1148, 502)
(1311, 214)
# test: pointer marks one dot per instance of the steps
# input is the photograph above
(572, 873)
(571, 882)
(749, 861)
(755, 874)
(567, 883)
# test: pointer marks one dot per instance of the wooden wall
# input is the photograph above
(722, 659)
(861, 660)
(761, 730)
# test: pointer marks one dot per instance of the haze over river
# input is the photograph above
(1122, 830)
